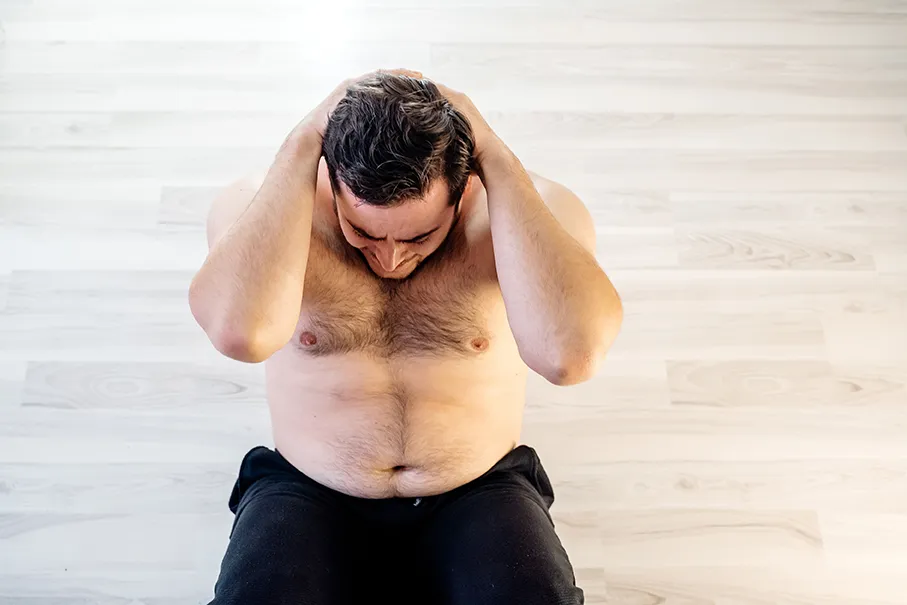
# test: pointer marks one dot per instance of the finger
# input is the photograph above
(400, 71)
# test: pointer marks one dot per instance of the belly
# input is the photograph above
(394, 428)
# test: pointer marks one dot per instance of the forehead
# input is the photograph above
(409, 219)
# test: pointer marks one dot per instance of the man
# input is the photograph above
(399, 270)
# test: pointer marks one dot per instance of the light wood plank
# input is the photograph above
(770, 249)
(12, 382)
(821, 11)
(827, 64)
(196, 57)
(56, 247)
(186, 208)
(756, 585)
(117, 487)
(628, 169)
(689, 79)
(726, 538)
(566, 131)
(858, 335)
(774, 208)
(699, 334)
(101, 587)
(48, 337)
(744, 443)
(120, 427)
(449, 23)
(145, 387)
(254, 91)
(785, 384)
(635, 248)
(139, 293)
(5, 277)
(851, 485)
(745, 435)
(621, 384)
(738, 291)
(121, 543)
(754, 171)
(612, 208)
(888, 242)
(865, 541)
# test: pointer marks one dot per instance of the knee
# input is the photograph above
(534, 578)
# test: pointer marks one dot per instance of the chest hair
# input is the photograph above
(439, 310)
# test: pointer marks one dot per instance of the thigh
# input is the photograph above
(288, 545)
(496, 543)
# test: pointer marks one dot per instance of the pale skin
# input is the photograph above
(374, 407)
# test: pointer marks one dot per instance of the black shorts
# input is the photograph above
(490, 541)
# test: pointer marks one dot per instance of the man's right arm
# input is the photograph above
(248, 293)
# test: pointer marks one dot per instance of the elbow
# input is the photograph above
(579, 364)
(242, 345)
(573, 369)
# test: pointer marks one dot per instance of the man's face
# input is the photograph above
(395, 240)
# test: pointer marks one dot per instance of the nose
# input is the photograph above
(389, 256)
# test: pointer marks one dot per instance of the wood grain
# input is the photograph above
(699, 334)
(839, 485)
(147, 387)
(12, 381)
(777, 208)
(785, 384)
(745, 164)
(723, 537)
(555, 129)
(732, 248)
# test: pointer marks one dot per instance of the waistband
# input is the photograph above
(262, 463)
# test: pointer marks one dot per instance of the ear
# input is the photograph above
(469, 182)
(466, 196)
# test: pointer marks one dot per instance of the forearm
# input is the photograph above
(560, 304)
(250, 286)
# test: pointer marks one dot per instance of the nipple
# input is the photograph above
(308, 339)
(479, 344)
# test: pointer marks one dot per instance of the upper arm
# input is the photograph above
(230, 203)
(569, 210)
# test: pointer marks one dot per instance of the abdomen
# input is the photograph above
(394, 428)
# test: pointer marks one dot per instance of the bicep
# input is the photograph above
(230, 203)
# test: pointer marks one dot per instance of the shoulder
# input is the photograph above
(568, 209)
(230, 203)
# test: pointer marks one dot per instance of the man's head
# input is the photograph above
(399, 158)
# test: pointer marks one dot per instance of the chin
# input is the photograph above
(394, 277)
(395, 274)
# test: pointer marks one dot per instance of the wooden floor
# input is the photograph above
(746, 164)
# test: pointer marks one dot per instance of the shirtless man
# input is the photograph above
(399, 271)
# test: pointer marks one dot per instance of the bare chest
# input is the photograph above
(445, 310)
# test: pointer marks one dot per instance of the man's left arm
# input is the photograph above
(562, 308)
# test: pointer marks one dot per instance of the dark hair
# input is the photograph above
(392, 136)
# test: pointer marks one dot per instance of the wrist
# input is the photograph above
(304, 140)
(491, 151)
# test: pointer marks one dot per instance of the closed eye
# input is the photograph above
(365, 235)
(418, 240)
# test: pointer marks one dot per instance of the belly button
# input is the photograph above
(479, 344)
(308, 339)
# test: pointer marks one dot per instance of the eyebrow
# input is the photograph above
(412, 239)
